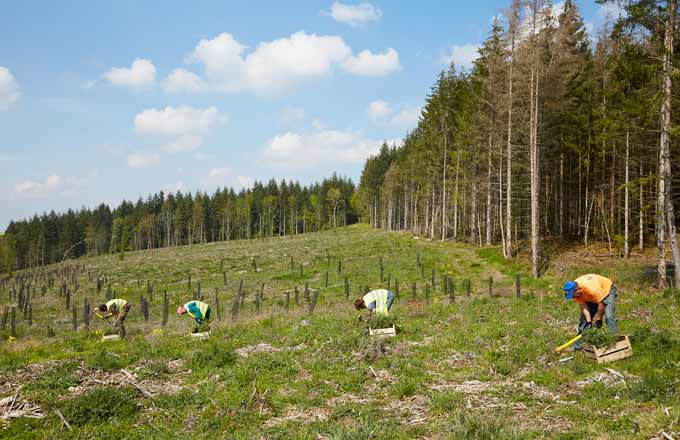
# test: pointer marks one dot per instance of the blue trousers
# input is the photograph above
(390, 300)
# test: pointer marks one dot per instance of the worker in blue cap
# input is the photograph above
(596, 296)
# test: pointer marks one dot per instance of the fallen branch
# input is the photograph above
(131, 381)
(63, 420)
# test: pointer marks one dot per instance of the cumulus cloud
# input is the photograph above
(461, 56)
(225, 177)
(141, 74)
(143, 159)
(273, 67)
(381, 112)
(370, 64)
(54, 184)
(181, 80)
(319, 147)
(407, 118)
(178, 121)
(9, 89)
(354, 15)
(378, 111)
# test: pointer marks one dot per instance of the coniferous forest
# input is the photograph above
(265, 210)
(553, 135)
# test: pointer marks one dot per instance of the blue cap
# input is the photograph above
(569, 288)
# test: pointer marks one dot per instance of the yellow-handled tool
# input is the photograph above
(568, 343)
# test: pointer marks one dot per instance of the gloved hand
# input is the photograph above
(115, 323)
(598, 323)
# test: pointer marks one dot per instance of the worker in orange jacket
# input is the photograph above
(596, 297)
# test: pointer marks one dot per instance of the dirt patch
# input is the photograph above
(29, 373)
(265, 348)
(412, 410)
(305, 416)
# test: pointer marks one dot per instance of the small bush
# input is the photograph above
(212, 355)
(654, 386)
(104, 360)
(99, 405)
(464, 426)
(405, 388)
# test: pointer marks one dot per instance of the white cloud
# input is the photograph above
(370, 64)
(33, 189)
(273, 67)
(378, 111)
(181, 80)
(9, 89)
(461, 56)
(611, 11)
(178, 121)
(141, 74)
(143, 159)
(292, 114)
(225, 177)
(407, 118)
(299, 150)
(354, 15)
(54, 183)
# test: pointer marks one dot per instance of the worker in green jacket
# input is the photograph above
(378, 302)
(116, 308)
(198, 310)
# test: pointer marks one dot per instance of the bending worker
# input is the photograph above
(596, 296)
(378, 302)
(198, 310)
(118, 309)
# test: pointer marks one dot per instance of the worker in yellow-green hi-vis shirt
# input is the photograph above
(198, 310)
(118, 309)
(378, 302)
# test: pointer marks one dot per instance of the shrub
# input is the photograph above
(212, 355)
(99, 405)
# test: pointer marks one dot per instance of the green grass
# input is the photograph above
(477, 368)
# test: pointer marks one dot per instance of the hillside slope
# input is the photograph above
(476, 366)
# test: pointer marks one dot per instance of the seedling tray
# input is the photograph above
(383, 332)
(619, 349)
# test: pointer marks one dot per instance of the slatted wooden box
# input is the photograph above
(383, 332)
(619, 349)
(202, 335)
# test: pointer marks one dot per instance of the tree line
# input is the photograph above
(265, 210)
(551, 135)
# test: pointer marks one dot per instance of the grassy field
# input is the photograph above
(476, 368)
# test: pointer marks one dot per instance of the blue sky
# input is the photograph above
(105, 101)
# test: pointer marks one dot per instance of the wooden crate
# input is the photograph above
(383, 332)
(110, 337)
(619, 349)
(202, 335)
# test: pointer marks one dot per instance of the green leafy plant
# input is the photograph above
(99, 405)
(382, 321)
(598, 337)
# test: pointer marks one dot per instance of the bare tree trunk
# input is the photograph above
(444, 188)
(455, 202)
(665, 165)
(488, 197)
(626, 215)
(508, 198)
(641, 236)
(561, 220)
(533, 146)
